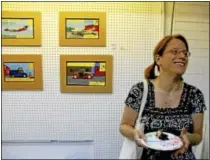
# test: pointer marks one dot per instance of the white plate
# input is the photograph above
(155, 143)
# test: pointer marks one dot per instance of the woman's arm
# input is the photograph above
(198, 108)
(131, 112)
(127, 122)
(196, 137)
(127, 126)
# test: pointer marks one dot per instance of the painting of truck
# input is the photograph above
(86, 73)
(19, 72)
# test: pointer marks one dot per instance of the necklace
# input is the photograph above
(168, 99)
(172, 92)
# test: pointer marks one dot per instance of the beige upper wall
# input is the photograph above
(186, 12)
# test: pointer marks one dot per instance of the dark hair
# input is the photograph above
(149, 72)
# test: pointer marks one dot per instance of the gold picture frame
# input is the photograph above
(86, 73)
(21, 28)
(22, 72)
(82, 29)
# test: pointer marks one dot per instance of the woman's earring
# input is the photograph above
(156, 70)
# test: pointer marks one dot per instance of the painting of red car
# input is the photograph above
(82, 75)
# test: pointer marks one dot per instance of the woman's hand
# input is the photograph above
(138, 135)
(186, 143)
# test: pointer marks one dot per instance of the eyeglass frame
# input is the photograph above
(188, 54)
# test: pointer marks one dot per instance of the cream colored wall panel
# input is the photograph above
(198, 44)
(191, 26)
(193, 35)
(195, 3)
(200, 52)
(191, 17)
(190, 8)
(196, 65)
(194, 79)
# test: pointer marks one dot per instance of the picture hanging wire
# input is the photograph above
(172, 18)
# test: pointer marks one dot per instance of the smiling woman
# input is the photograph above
(172, 106)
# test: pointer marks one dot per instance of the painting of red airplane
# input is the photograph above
(13, 28)
(17, 29)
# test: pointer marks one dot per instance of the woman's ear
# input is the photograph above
(157, 60)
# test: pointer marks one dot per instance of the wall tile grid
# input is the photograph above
(133, 29)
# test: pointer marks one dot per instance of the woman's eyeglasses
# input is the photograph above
(176, 52)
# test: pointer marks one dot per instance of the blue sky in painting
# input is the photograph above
(25, 66)
(80, 24)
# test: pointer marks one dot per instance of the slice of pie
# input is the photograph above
(161, 135)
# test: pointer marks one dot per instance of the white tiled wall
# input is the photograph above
(133, 29)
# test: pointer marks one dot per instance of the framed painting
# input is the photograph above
(21, 28)
(82, 29)
(22, 72)
(86, 73)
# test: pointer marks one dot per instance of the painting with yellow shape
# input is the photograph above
(82, 28)
(85, 73)
(102, 67)
(19, 72)
(81, 64)
(14, 28)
